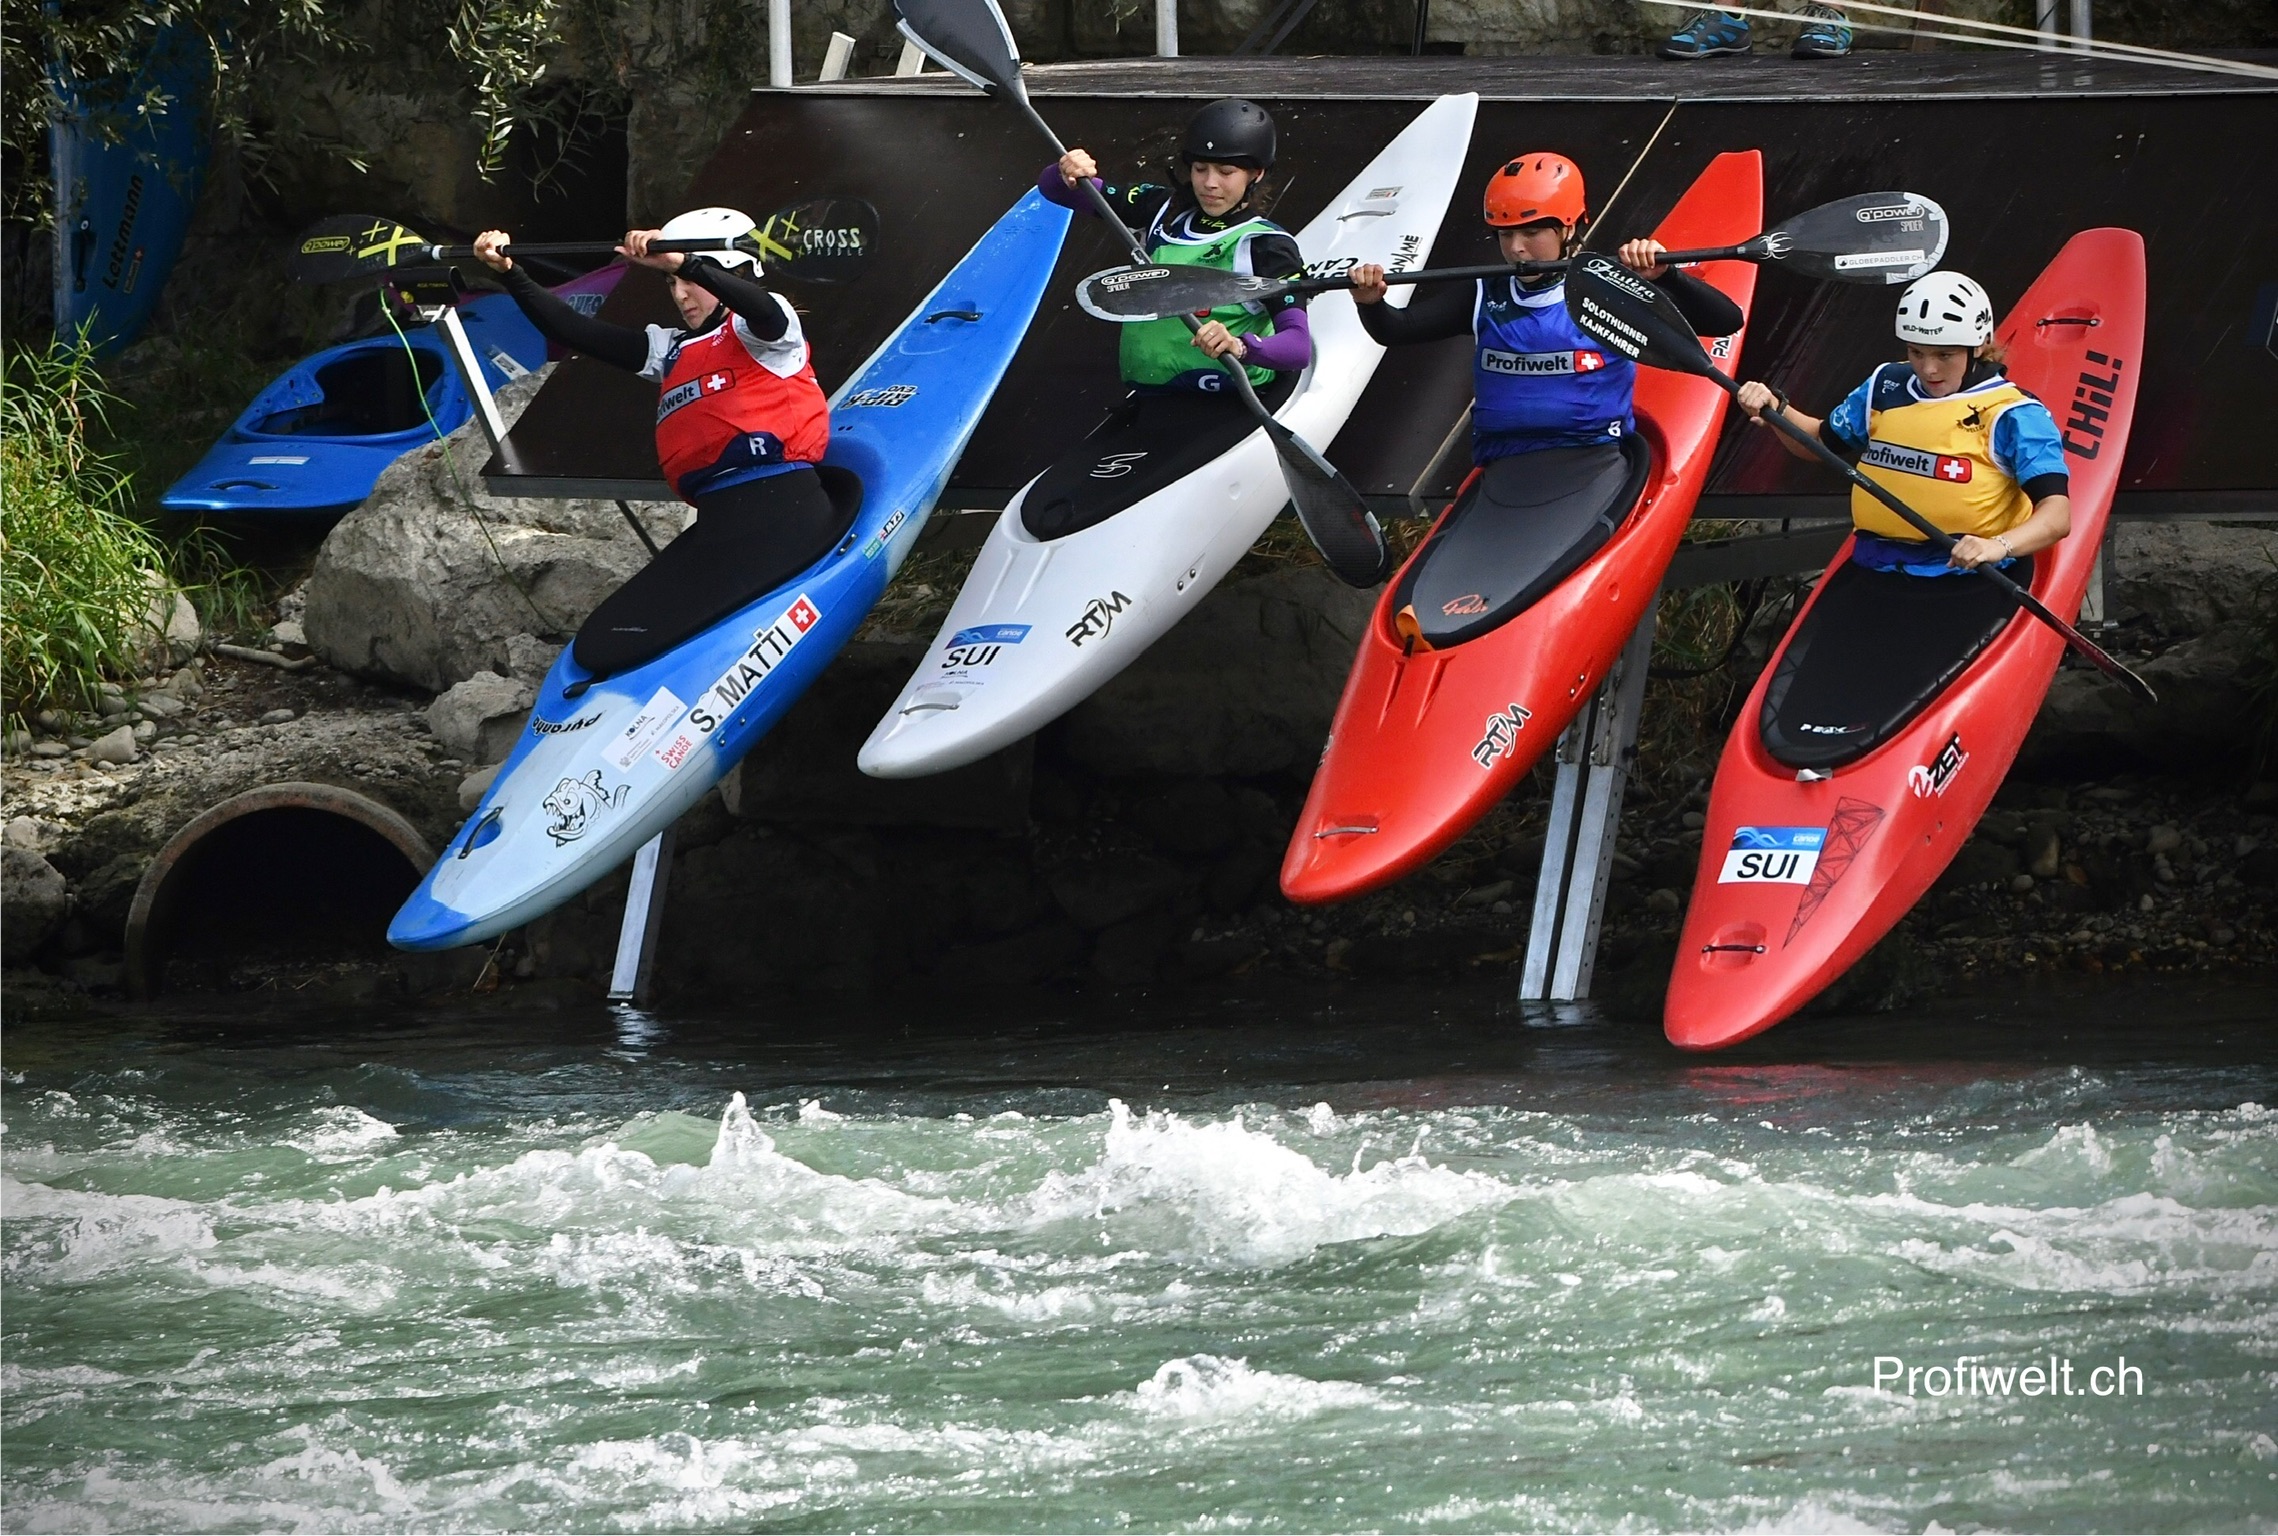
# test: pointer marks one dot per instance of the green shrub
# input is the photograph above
(76, 570)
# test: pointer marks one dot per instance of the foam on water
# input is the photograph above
(678, 1313)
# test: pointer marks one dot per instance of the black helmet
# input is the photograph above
(1231, 131)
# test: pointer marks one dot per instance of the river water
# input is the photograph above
(1336, 1262)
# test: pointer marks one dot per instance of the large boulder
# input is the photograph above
(1244, 686)
(2090, 724)
(2188, 578)
(36, 901)
(431, 578)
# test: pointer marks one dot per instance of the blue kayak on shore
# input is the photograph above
(313, 443)
(604, 764)
(126, 184)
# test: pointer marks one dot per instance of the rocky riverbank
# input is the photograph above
(1133, 844)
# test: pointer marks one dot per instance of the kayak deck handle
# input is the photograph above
(953, 314)
(2049, 320)
(1742, 949)
(1343, 831)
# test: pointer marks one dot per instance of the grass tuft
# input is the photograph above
(76, 569)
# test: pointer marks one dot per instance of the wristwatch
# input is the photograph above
(2008, 550)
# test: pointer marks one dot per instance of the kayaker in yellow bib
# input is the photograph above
(1948, 435)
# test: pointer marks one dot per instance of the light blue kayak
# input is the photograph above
(605, 765)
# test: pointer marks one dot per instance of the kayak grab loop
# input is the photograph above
(285, 871)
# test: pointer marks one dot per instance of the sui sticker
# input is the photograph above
(1772, 856)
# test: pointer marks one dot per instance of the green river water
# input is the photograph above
(1336, 1262)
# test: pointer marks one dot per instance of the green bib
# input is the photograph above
(1154, 352)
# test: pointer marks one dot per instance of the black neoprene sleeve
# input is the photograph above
(620, 346)
(1706, 307)
(1438, 311)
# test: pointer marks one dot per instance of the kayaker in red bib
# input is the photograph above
(1947, 434)
(1539, 380)
(741, 423)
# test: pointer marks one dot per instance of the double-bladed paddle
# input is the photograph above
(970, 38)
(1875, 237)
(821, 240)
(1640, 322)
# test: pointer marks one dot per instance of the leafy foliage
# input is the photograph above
(76, 570)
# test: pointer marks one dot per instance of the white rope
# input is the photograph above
(2074, 48)
(2043, 41)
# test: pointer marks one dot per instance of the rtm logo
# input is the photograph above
(1098, 619)
(1502, 735)
(2092, 406)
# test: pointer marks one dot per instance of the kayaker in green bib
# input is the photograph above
(1211, 221)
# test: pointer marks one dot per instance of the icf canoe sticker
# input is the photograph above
(576, 803)
(1848, 829)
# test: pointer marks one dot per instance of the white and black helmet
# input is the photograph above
(1945, 309)
(710, 224)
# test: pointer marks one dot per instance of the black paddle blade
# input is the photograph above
(1632, 316)
(353, 245)
(1331, 512)
(965, 37)
(1127, 295)
(823, 240)
(1876, 237)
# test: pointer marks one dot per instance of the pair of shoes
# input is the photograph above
(1707, 34)
(1827, 37)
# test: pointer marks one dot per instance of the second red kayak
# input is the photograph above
(1431, 734)
(1816, 846)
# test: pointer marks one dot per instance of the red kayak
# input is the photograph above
(1493, 636)
(1815, 849)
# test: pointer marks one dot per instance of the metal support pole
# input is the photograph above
(2083, 26)
(631, 979)
(779, 44)
(471, 377)
(1594, 758)
(912, 61)
(2045, 22)
(1167, 28)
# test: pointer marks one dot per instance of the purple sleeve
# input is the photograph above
(1289, 348)
(1056, 190)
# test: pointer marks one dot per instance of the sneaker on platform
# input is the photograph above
(1826, 36)
(1707, 34)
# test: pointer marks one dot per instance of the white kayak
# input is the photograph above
(1043, 622)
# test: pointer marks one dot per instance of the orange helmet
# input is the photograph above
(1534, 187)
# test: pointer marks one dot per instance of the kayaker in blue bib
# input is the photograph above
(1948, 435)
(1539, 381)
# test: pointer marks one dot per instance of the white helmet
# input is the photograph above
(713, 224)
(1945, 309)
